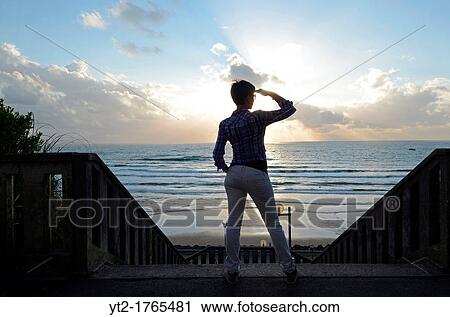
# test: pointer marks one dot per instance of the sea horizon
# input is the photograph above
(332, 180)
(287, 142)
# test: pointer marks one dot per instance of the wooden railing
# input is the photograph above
(247, 254)
(67, 212)
(410, 223)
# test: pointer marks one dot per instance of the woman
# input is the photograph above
(248, 174)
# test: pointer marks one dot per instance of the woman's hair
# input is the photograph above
(240, 90)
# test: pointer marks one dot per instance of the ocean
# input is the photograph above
(328, 185)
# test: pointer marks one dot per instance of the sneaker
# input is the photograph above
(291, 278)
(231, 277)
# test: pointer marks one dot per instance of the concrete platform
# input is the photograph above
(256, 280)
(269, 270)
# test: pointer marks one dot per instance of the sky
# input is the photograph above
(183, 55)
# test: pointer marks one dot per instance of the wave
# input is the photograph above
(179, 184)
(338, 170)
(197, 192)
(272, 176)
(328, 183)
(173, 159)
(276, 183)
(296, 170)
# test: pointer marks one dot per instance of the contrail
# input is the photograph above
(361, 64)
(99, 70)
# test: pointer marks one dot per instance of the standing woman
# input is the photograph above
(247, 174)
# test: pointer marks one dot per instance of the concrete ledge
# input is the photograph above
(269, 270)
(247, 286)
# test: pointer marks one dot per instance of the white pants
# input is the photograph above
(239, 181)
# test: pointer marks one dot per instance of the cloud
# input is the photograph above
(12, 57)
(408, 58)
(237, 71)
(389, 108)
(132, 50)
(30, 90)
(408, 106)
(376, 80)
(93, 20)
(139, 18)
(376, 83)
(236, 68)
(218, 49)
(314, 117)
(71, 99)
(438, 82)
(402, 110)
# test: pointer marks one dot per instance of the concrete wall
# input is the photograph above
(121, 232)
(418, 230)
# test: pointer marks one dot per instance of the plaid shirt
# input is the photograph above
(245, 130)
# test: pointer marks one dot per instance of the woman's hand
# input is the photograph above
(274, 96)
(264, 92)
